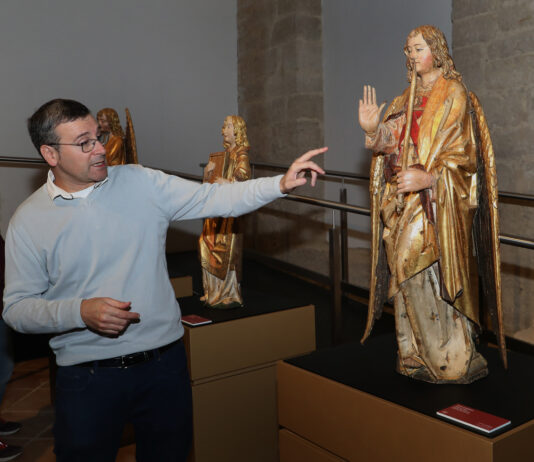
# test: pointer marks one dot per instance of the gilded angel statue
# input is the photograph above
(434, 216)
(220, 243)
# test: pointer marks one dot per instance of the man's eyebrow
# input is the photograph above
(81, 135)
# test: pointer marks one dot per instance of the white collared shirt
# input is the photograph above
(55, 191)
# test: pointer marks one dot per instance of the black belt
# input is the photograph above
(130, 360)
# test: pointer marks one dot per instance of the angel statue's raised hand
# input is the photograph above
(368, 111)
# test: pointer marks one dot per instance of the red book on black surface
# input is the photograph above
(195, 320)
(473, 418)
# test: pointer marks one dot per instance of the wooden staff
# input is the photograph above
(407, 133)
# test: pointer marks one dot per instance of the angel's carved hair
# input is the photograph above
(240, 131)
(437, 43)
(113, 119)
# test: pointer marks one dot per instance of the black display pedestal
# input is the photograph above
(356, 407)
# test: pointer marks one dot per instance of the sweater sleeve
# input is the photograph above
(181, 199)
(25, 308)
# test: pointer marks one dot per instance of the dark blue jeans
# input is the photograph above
(94, 403)
(6, 357)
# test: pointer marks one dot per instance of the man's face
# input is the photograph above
(74, 169)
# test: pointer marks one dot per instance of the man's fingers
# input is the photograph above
(313, 177)
(127, 315)
(308, 155)
(116, 303)
(310, 165)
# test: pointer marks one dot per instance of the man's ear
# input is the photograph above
(50, 155)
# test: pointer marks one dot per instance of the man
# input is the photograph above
(85, 259)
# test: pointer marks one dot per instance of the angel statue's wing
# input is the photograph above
(486, 227)
(130, 143)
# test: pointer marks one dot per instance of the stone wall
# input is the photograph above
(280, 95)
(493, 47)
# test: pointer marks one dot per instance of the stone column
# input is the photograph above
(280, 95)
(493, 48)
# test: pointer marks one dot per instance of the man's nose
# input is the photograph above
(99, 148)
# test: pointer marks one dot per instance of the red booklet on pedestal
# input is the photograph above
(195, 320)
(473, 418)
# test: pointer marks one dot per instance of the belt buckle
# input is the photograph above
(130, 360)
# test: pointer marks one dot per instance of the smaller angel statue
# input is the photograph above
(121, 148)
(220, 243)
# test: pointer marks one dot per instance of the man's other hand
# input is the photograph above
(295, 175)
(107, 315)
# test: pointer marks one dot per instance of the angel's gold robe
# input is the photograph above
(221, 245)
(115, 153)
(432, 272)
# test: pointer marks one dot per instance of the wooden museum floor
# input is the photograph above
(27, 400)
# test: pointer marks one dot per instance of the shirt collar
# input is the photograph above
(55, 191)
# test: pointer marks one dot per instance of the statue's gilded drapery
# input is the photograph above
(220, 242)
(428, 245)
(115, 152)
(121, 147)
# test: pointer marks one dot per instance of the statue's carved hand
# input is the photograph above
(414, 179)
(368, 110)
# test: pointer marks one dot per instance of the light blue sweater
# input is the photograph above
(109, 244)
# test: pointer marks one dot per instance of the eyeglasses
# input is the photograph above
(87, 145)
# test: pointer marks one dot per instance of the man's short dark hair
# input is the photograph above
(43, 122)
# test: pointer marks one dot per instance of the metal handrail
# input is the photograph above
(329, 204)
(333, 173)
(360, 176)
(22, 160)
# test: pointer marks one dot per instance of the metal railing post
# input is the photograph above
(335, 287)
(344, 237)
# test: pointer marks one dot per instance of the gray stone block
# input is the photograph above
(254, 10)
(309, 57)
(512, 44)
(305, 105)
(284, 30)
(480, 28)
(253, 36)
(464, 8)
(507, 108)
(469, 61)
(516, 16)
(309, 135)
(517, 71)
(310, 7)
(309, 28)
